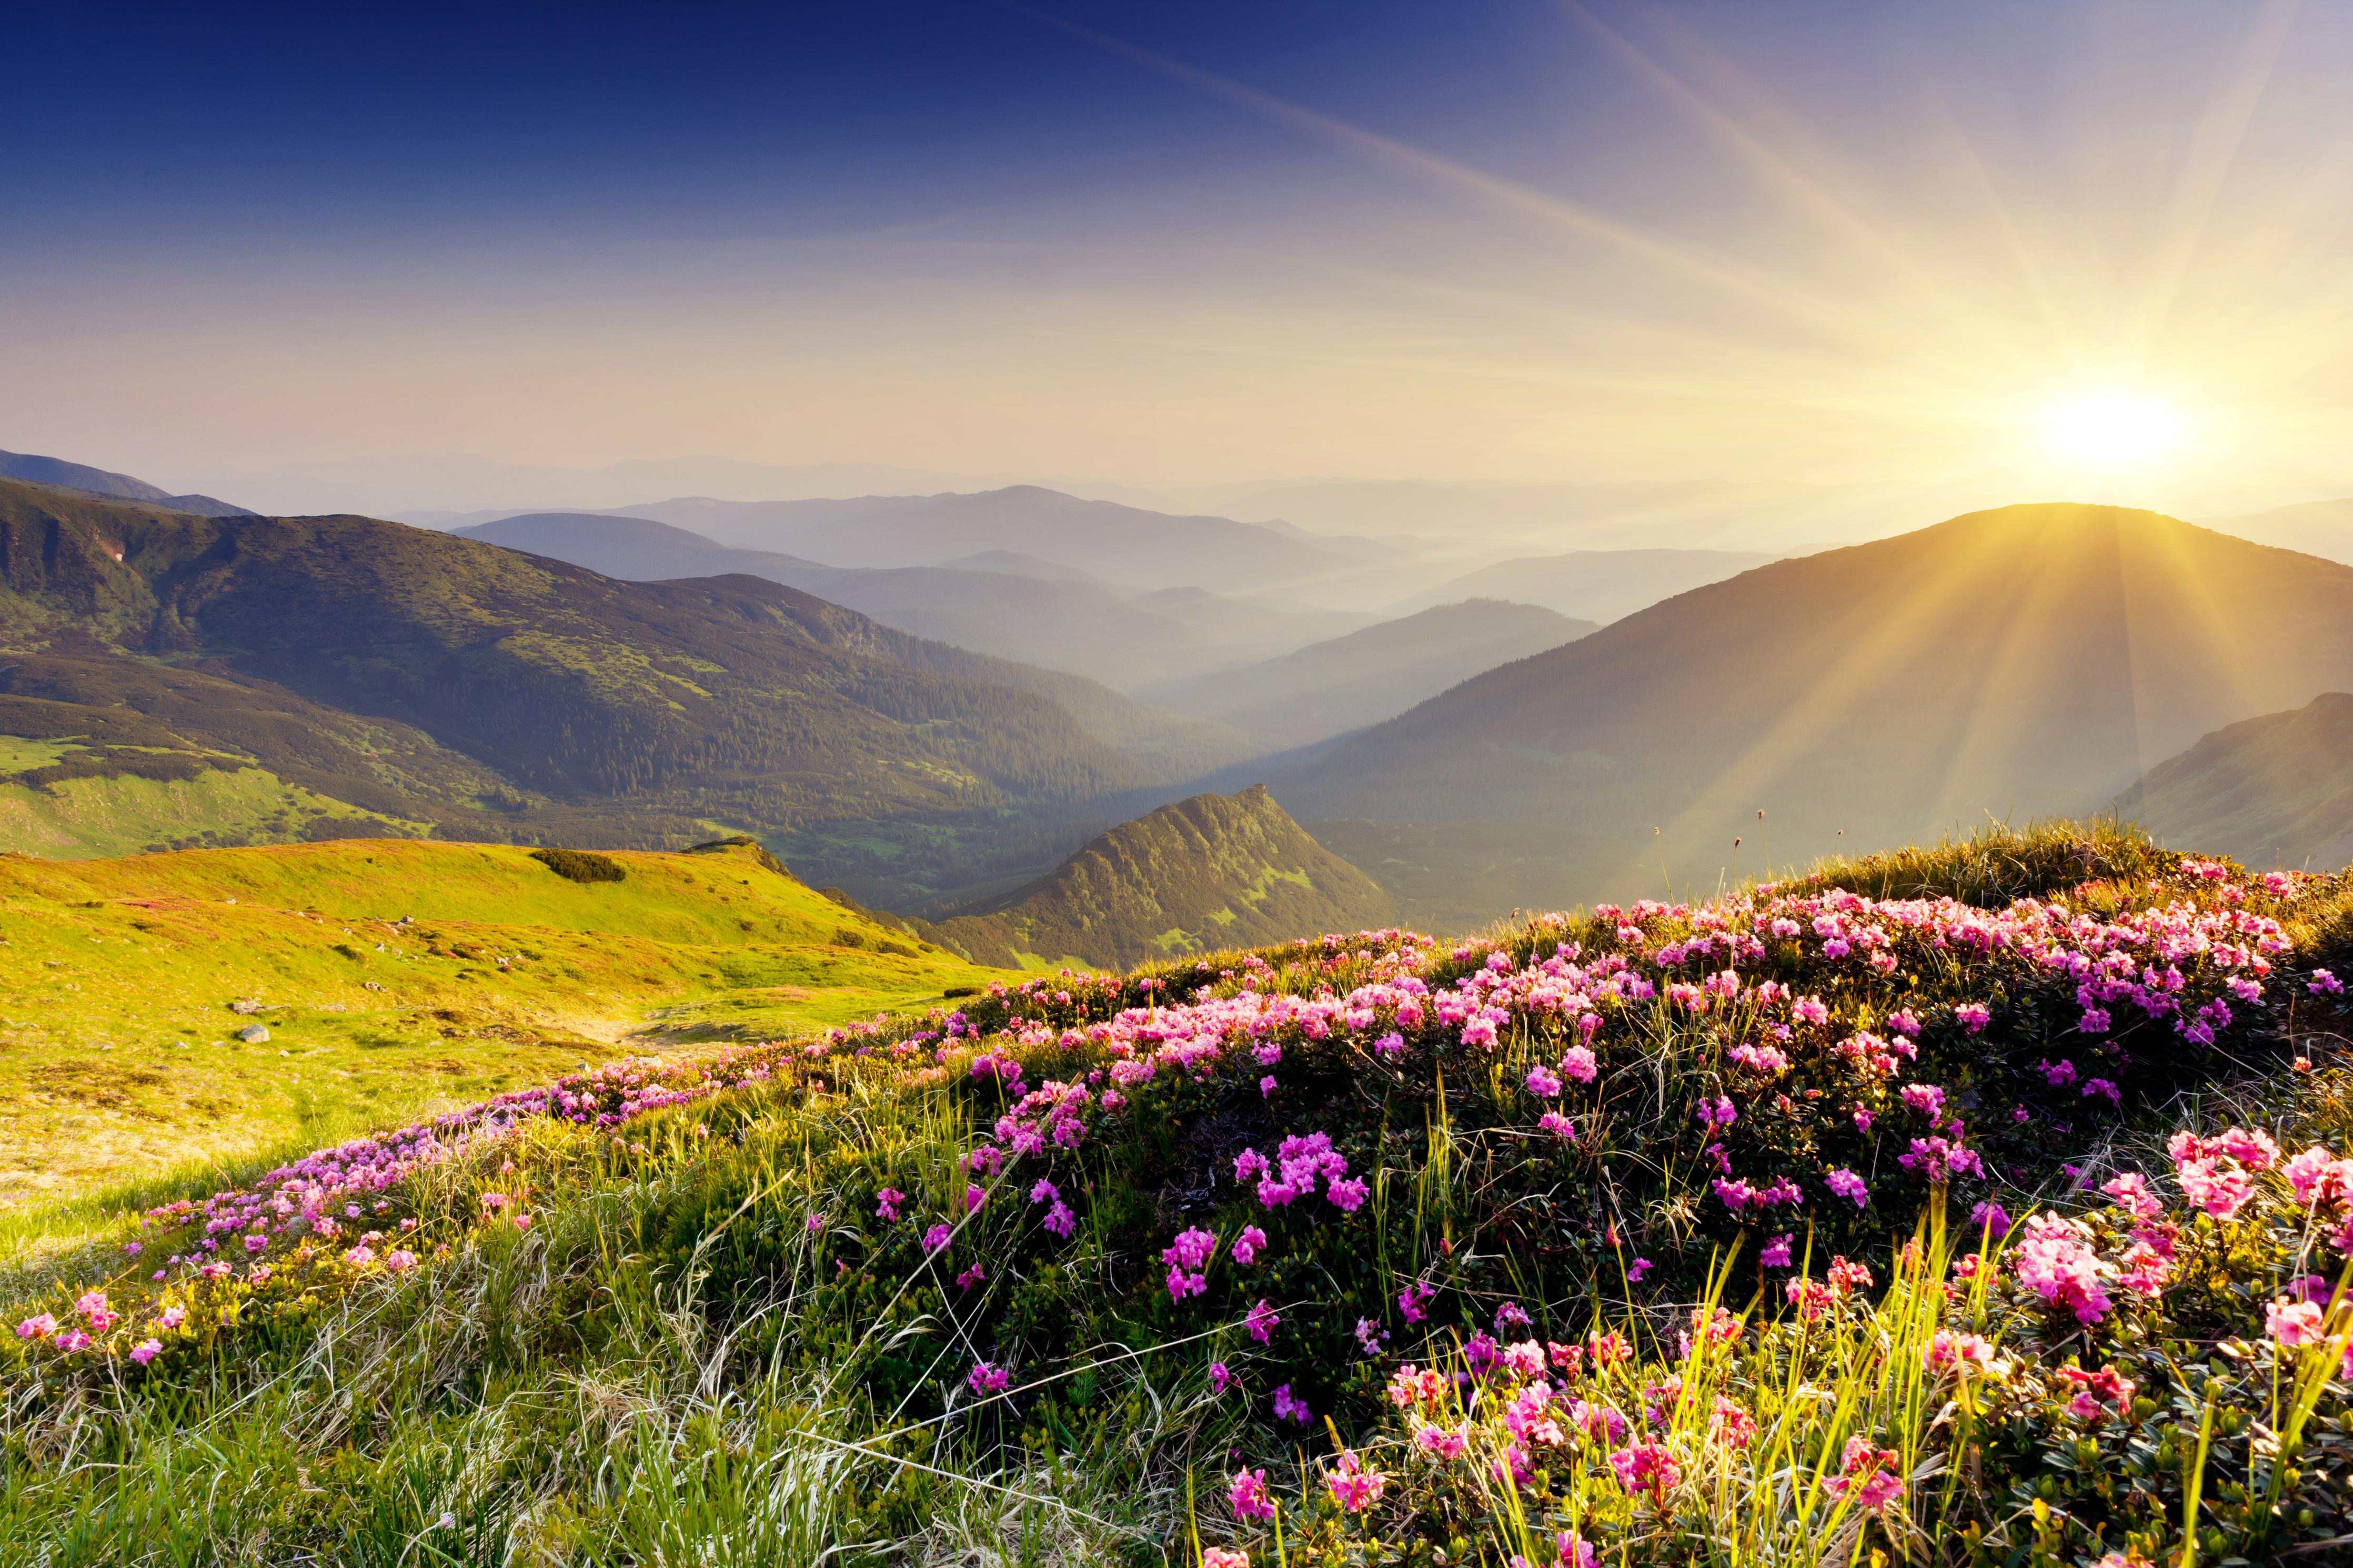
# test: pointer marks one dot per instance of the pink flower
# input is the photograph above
(2324, 984)
(1776, 1251)
(1578, 1062)
(1224, 1557)
(1973, 1016)
(1060, 1220)
(1869, 1473)
(2220, 1190)
(1575, 1551)
(1847, 1184)
(398, 1261)
(1247, 1495)
(937, 1238)
(1646, 1466)
(1414, 1299)
(1543, 1082)
(1353, 1486)
(988, 1377)
(973, 1197)
(2058, 1264)
(2292, 1324)
(38, 1328)
(1925, 1097)
(1246, 1247)
(1221, 1378)
(1260, 1320)
(1442, 1442)
(1286, 1408)
(146, 1351)
(886, 1203)
(1949, 1352)
(1557, 1126)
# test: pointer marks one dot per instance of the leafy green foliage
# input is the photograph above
(580, 865)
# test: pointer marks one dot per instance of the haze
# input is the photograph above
(1876, 259)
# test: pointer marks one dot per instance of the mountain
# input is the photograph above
(1212, 872)
(1601, 585)
(2322, 528)
(1123, 544)
(99, 482)
(1073, 623)
(729, 699)
(2273, 791)
(1369, 675)
(2029, 660)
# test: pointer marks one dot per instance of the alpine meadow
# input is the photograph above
(1208, 786)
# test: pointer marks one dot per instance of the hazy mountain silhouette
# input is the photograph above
(1070, 622)
(42, 470)
(2275, 791)
(2030, 660)
(1210, 872)
(1600, 585)
(1367, 675)
(1123, 543)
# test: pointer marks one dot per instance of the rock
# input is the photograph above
(253, 1033)
(247, 1007)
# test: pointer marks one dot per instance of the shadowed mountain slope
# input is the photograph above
(1593, 585)
(1077, 627)
(729, 698)
(39, 470)
(2275, 791)
(2027, 660)
(1210, 872)
(1367, 675)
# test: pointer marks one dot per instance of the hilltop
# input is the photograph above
(490, 694)
(2275, 790)
(2032, 660)
(40, 471)
(391, 978)
(1214, 871)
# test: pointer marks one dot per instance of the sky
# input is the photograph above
(1998, 251)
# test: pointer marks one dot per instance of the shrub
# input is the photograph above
(581, 864)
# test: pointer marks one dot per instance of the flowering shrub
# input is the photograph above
(1264, 1181)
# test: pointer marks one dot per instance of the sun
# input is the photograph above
(2113, 428)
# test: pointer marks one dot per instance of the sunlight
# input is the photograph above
(2113, 428)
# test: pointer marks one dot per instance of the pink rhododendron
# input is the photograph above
(1248, 1496)
(1355, 1486)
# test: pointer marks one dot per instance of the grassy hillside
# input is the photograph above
(1210, 872)
(508, 695)
(391, 977)
(1364, 1250)
(2029, 660)
(1329, 687)
(2273, 791)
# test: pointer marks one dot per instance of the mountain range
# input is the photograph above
(480, 692)
(1600, 585)
(1044, 613)
(1329, 687)
(1209, 872)
(57, 471)
(2029, 660)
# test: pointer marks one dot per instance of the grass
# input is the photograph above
(673, 1364)
(393, 978)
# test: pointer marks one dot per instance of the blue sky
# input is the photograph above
(1489, 239)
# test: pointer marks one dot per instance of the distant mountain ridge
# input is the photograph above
(538, 696)
(1063, 619)
(2029, 660)
(1329, 687)
(1209, 872)
(1597, 585)
(2275, 791)
(39, 470)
